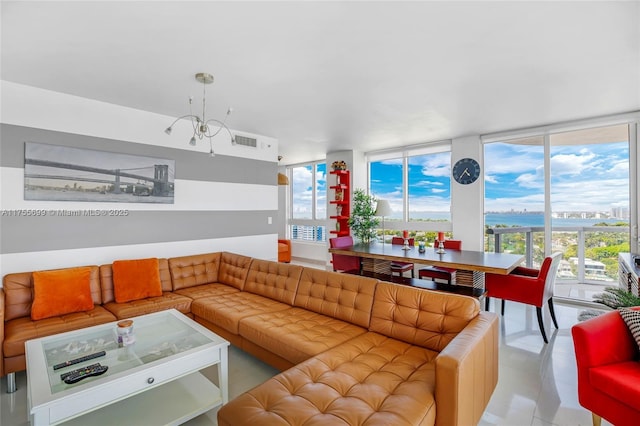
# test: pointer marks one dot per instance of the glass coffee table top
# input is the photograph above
(156, 337)
(155, 380)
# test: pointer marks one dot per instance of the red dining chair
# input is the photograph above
(440, 272)
(342, 262)
(402, 267)
(527, 285)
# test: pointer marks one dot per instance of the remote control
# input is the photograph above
(78, 370)
(83, 373)
(79, 360)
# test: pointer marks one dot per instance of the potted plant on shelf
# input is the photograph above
(362, 220)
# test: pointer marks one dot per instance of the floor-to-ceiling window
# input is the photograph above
(589, 195)
(514, 197)
(562, 191)
(308, 210)
(417, 183)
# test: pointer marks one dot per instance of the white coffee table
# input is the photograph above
(156, 381)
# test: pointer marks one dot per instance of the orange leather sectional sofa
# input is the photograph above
(354, 350)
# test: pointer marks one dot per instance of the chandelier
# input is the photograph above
(201, 125)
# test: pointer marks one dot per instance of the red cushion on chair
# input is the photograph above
(404, 266)
(397, 266)
(436, 272)
(621, 381)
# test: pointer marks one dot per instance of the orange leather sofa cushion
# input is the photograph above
(297, 334)
(136, 279)
(60, 292)
(369, 380)
(276, 281)
(425, 318)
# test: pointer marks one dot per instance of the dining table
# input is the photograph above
(470, 265)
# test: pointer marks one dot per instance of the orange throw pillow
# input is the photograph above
(136, 279)
(60, 292)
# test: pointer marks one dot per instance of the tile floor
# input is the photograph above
(537, 382)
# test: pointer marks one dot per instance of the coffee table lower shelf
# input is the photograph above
(172, 403)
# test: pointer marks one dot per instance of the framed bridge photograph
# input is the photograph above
(61, 173)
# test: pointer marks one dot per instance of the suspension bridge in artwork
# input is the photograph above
(159, 183)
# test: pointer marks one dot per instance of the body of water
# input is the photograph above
(510, 219)
(516, 219)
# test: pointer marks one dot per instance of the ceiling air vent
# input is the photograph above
(243, 140)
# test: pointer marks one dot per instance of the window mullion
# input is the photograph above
(405, 188)
(314, 185)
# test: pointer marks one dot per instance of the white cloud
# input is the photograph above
(529, 180)
(490, 178)
(426, 183)
(572, 164)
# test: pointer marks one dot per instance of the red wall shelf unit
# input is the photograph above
(342, 202)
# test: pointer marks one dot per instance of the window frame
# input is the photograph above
(314, 221)
(404, 153)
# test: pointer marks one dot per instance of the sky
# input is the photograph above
(589, 177)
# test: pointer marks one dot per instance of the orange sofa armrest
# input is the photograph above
(467, 372)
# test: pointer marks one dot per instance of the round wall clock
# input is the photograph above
(466, 171)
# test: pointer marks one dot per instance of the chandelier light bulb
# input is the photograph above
(192, 142)
(168, 130)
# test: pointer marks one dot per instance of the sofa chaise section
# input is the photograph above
(387, 376)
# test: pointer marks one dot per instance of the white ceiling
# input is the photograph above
(326, 76)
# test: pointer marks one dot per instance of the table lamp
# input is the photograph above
(383, 208)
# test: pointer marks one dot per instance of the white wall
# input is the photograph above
(42, 109)
(467, 201)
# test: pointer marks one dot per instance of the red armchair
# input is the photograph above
(608, 369)
(284, 251)
(526, 285)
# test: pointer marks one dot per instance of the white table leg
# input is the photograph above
(223, 374)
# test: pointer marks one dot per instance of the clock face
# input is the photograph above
(466, 171)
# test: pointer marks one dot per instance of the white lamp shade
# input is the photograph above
(383, 208)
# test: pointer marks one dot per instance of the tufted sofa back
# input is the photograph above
(277, 281)
(234, 269)
(342, 296)
(197, 269)
(18, 293)
(424, 318)
(106, 277)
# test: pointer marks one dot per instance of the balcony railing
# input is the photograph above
(603, 242)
